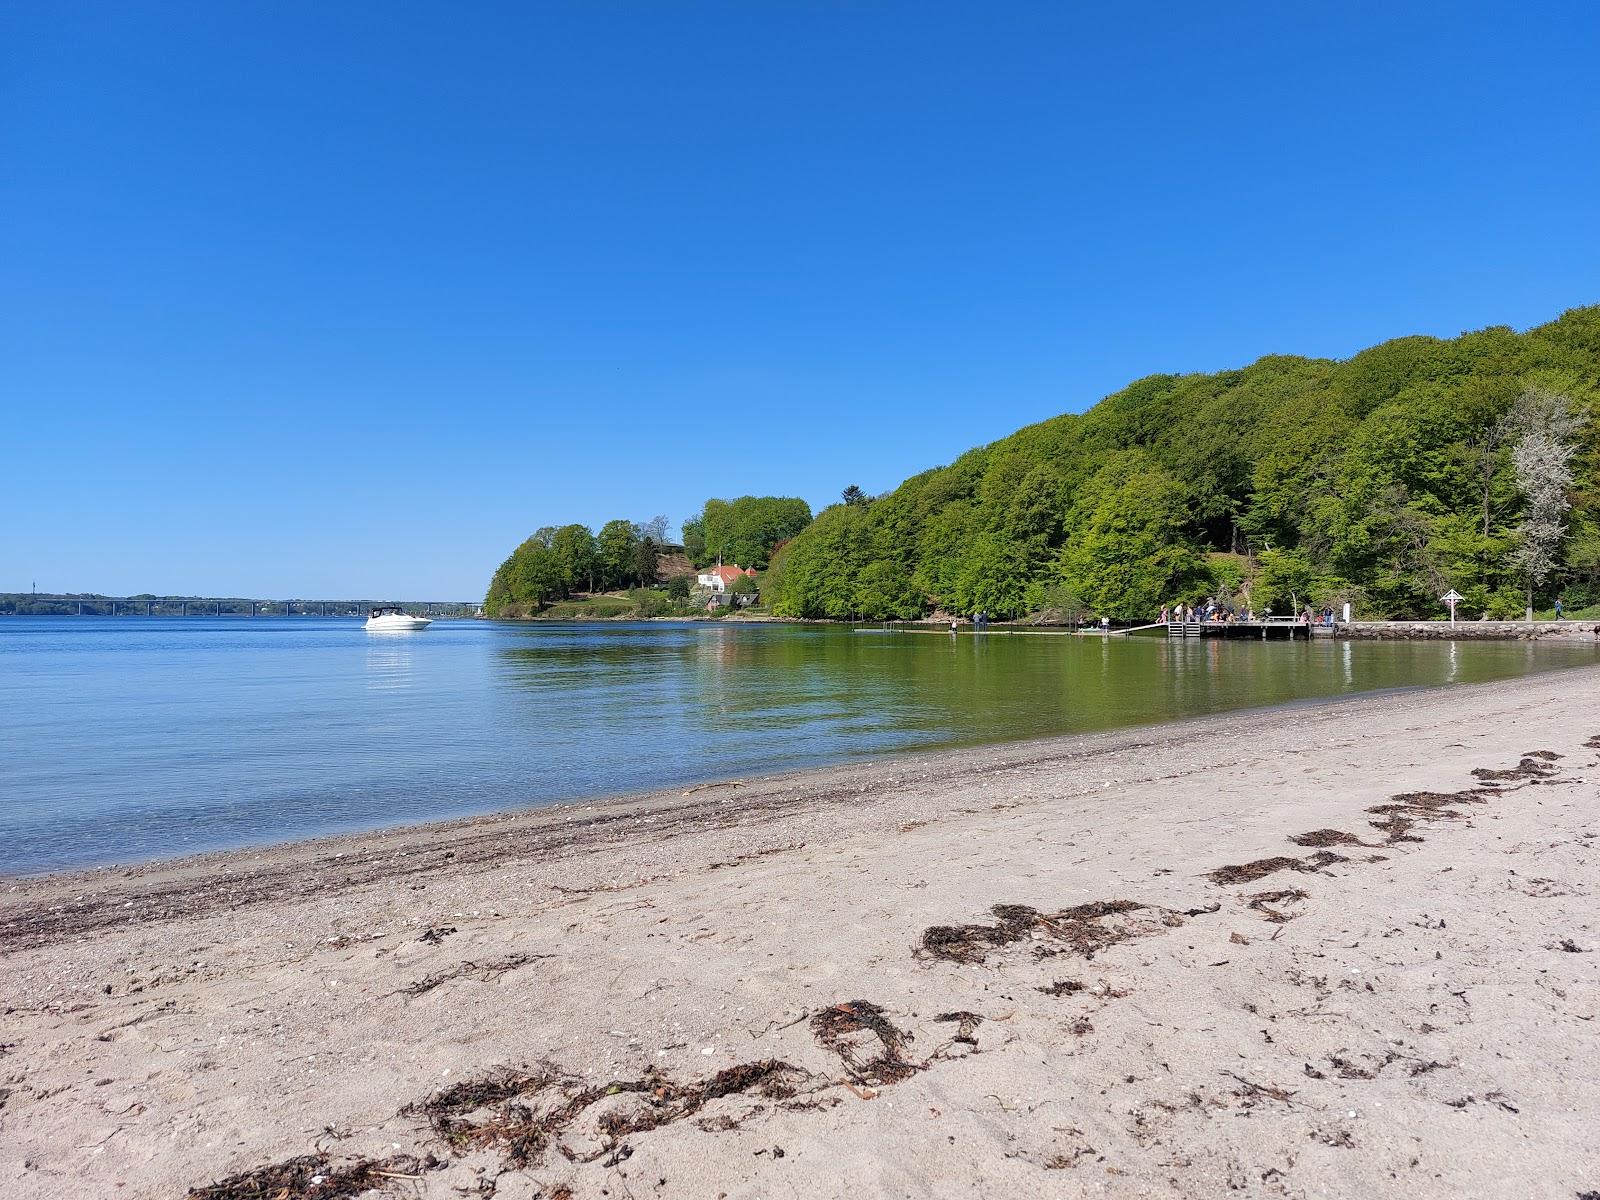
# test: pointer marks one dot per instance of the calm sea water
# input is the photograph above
(134, 738)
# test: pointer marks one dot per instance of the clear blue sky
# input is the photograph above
(334, 299)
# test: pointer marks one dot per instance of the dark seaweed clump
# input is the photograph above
(1528, 768)
(1062, 987)
(1265, 903)
(1402, 812)
(1082, 928)
(523, 1113)
(966, 1024)
(1251, 871)
(1328, 837)
(314, 1177)
(871, 1046)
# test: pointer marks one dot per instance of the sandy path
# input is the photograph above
(1422, 1018)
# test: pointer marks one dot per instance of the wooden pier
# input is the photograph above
(1280, 628)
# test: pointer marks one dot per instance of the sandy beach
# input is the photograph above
(1342, 949)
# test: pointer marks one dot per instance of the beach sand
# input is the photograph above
(802, 987)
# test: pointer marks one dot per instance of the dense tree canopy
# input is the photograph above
(1416, 466)
(556, 562)
(743, 531)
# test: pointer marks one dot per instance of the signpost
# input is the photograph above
(1452, 598)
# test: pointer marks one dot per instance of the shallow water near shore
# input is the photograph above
(129, 739)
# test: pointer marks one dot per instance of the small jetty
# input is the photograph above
(1289, 629)
(1283, 628)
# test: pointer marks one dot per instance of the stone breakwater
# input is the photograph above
(1462, 630)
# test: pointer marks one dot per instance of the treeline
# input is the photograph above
(744, 531)
(558, 561)
(1386, 479)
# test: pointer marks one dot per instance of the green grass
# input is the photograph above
(594, 606)
(1572, 614)
(637, 604)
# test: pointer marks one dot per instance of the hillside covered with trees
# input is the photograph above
(744, 531)
(556, 563)
(1385, 479)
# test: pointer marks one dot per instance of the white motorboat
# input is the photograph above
(391, 619)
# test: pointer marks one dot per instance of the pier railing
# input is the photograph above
(1264, 627)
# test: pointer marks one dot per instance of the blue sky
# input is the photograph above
(346, 299)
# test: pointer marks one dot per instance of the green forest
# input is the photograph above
(558, 562)
(743, 531)
(1383, 480)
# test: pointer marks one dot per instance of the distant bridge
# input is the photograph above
(43, 604)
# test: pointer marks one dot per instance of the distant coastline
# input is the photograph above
(99, 604)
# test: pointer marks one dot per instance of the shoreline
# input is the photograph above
(1571, 629)
(577, 823)
(90, 874)
(542, 828)
(536, 821)
(1340, 946)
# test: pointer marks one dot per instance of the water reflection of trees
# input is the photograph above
(776, 695)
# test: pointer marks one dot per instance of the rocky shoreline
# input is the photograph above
(1472, 630)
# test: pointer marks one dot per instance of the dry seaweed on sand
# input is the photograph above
(966, 1024)
(741, 859)
(1262, 902)
(1251, 1092)
(967, 943)
(1251, 871)
(501, 1118)
(314, 1177)
(1428, 804)
(486, 972)
(524, 1113)
(1321, 859)
(1528, 768)
(1081, 927)
(1062, 987)
(1328, 837)
(1401, 812)
(849, 1029)
(1396, 828)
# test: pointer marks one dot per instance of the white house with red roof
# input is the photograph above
(719, 579)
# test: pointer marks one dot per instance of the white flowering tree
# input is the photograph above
(1546, 424)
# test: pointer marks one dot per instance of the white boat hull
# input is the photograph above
(396, 623)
